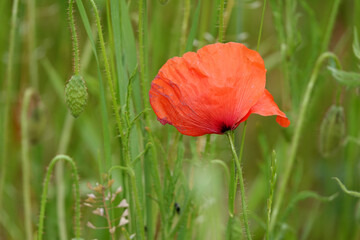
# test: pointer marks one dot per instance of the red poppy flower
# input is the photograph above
(212, 90)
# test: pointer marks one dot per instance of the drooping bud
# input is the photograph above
(332, 130)
(76, 95)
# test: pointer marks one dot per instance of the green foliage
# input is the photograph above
(177, 187)
(348, 79)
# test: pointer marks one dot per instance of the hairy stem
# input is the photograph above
(116, 108)
(45, 190)
(74, 38)
(230, 135)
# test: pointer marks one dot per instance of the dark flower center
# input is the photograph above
(224, 128)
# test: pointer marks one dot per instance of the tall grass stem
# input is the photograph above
(261, 26)
(59, 177)
(32, 58)
(221, 21)
(330, 25)
(8, 98)
(25, 162)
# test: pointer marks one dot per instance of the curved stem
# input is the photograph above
(26, 162)
(74, 38)
(44, 195)
(297, 134)
(230, 135)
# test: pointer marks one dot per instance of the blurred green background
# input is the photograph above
(294, 35)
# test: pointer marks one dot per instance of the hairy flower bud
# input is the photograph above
(332, 130)
(76, 95)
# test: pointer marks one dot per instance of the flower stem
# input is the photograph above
(26, 162)
(298, 130)
(45, 190)
(74, 38)
(230, 135)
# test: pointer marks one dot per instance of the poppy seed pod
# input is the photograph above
(332, 131)
(212, 90)
(76, 95)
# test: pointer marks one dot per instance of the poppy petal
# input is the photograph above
(267, 107)
(209, 91)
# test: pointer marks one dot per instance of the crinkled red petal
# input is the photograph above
(267, 107)
(209, 91)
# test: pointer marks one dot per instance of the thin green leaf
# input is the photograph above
(349, 79)
(55, 78)
(356, 44)
(349, 192)
(104, 114)
(193, 28)
(118, 45)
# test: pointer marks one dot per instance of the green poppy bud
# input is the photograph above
(76, 95)
(332, 130)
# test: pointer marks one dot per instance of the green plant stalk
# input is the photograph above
(232, 192)
(330, 25)
(298, 130)
(116, 108)
(261, 26)
(25, 162)
(104, 115)
(59, 174)
(60, 185)
(139, 218)
(119, 123)
(45, 190)
(107, 216)
(150, 161)
(230, 135)
(184, 26)
(8, 97)
(272, 182)
(74, 38)
(221, 21)
(33, 66)
(227, 14)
